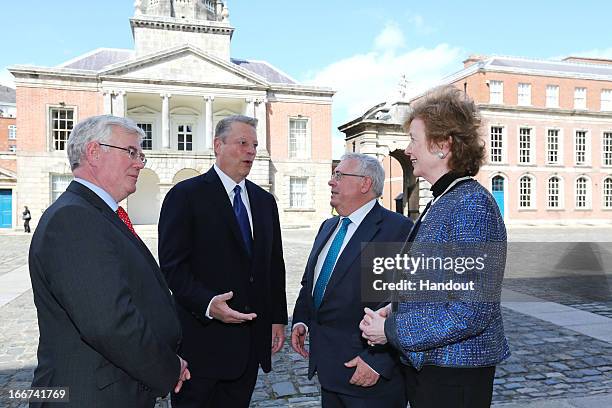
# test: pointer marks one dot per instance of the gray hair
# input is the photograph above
(371, 167)
(225, 124)
(96, 129)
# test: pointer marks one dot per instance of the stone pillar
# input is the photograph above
(208, 121)
(262, 124)
(250, 108)
(118, 105)
(165, 120)
(107, 105)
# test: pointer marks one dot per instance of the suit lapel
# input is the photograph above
(366, 231)
(221, 201)
(113, 218)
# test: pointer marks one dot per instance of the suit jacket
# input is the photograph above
(202, 254)
(334, 332)
(108, 326)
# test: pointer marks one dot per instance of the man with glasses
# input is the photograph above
(108, 326)
(329, 306)
(221, 252)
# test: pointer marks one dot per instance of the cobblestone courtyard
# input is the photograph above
(550, 363)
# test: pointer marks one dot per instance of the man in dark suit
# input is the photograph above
(330, 306)
(108, 326)
(221, 252)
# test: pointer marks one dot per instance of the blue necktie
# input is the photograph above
(243, 219)
(330, 261)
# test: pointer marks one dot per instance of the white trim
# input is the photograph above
(556, 104)
(504, 143)
(603, 196)
(525, 98)
(603, 164)
(308, 142)
(561, 193)
(560, 137)
(532, 144)
(49, 130)
(585, 107)
(587, 147)
(532, 193)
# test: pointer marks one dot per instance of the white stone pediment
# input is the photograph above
(7, 176)
(185, 64)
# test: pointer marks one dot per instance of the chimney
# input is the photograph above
(473, 59)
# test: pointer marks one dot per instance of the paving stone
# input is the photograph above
(283, 389)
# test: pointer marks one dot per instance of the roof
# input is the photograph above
(566, 69)
(7, 94)
(101, 58)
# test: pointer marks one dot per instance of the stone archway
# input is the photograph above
(410, 191)
(184, 174)
(143, 205)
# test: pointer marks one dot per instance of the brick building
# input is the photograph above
(177, 83)
(548, 133)
(8, 162)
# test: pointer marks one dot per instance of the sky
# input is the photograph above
(359, 48)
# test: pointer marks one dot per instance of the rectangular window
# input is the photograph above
(12, 148)
(12, 132)
(606, 100)
(552, 146)
(581, 146)
(524, 94)
(582, 193)
(580, 95)
(298, 138)
(298, 192)
(496, 144)
(525, 145)
(147, 140)
(62, 121)
(496, 95)
(59, 183)
(607, 192)
(606, 146)
(552, 96)
(185, 138)
(525, 192)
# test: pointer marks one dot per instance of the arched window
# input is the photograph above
(526, 187)
(583, 193)
(607, 192)
(553, 192)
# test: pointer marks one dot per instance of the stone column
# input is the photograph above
(165, 120)
(118, 105)
(250, 108)
(108, 108)
(208, 121)
(262, 125)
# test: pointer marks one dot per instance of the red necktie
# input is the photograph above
(123, 215)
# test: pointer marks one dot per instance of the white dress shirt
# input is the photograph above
(100, 192)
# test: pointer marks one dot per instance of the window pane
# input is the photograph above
(496, 144)
(61, 125)
(298, 192)
(525, 145)
(298, 138)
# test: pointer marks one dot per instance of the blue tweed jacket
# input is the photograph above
(456, 333)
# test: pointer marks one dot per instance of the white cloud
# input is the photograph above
(366, 79)
(6, 78)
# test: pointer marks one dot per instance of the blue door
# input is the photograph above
(6, 208)
(497, 187)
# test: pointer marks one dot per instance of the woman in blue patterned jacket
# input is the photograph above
(450, 348)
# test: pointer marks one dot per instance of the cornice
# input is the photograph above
(196, 26)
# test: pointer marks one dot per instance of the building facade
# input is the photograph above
(8, 161)
(547, 128)
(177, 83)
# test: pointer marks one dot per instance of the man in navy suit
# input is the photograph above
(221, 252)
(108, 326)
(329, 307)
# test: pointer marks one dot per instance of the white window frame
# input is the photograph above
(608, 205)
(606, 155)
(580, 98)
(75, 120)
(307, 152)
(532, 193)
(144, 114)
(587, 147)
(504, 144)
(55, 193)
(12, 132)
(305, 194)
(588, 193)
(560, 193)
(559, 146)
(149, 123)
(185, 116)
(532, 143)
(496, 92)
(552, 96)
(524, 94)
(606, 100)
(12, 148)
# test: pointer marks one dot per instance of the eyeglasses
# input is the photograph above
(337, 175)
(131, 151)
